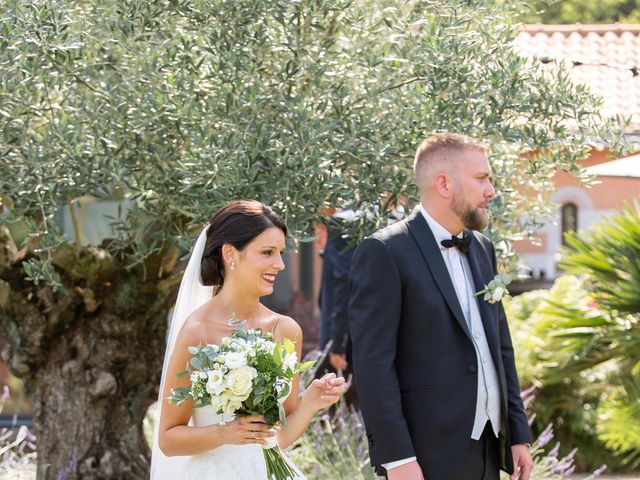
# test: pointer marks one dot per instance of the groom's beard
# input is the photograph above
(472, 217)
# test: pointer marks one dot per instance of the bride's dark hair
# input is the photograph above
(237, 224)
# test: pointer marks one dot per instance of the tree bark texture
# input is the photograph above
(93, 357)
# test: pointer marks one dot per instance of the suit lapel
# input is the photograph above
(423, 236)
(476, 258)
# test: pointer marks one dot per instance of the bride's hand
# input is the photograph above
(325, 391)
(248, 429)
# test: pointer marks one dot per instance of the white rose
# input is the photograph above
(235, 359)
(232, 407)
(218, 402)
(216, 382)
(232, 403)
(240, 381)
(497, 294)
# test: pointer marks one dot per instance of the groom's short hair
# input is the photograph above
(439, 148)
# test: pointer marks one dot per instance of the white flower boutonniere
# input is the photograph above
(496, 289)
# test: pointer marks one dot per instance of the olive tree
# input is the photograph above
(174, 107)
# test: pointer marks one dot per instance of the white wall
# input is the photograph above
(587, 216)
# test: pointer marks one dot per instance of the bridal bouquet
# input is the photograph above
(247, 374)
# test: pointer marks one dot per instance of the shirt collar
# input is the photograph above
(439, 232)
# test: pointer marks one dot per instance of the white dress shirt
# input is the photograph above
(488, 398)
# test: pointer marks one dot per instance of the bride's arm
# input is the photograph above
(320, 394)
(175, 436)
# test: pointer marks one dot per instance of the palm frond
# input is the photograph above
(608, 255)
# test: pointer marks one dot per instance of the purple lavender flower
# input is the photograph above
(554, 451)
(545, 436)
(528, 396)
(5, 393)
(62, 475)
(599, 471)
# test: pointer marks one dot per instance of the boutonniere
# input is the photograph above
(496, 289)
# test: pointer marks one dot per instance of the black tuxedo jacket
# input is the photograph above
(414, 362)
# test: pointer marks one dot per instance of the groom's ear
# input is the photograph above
(443, 184)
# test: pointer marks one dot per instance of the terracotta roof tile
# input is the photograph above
(605, 57)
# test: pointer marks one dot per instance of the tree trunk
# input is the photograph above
(93, 357)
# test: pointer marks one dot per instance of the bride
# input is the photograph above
(234, 262)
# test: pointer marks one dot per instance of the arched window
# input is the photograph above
(569, 219)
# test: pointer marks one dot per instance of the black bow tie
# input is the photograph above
(461, 244)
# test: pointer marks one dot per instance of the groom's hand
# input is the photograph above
(522, 462)
(408, 471)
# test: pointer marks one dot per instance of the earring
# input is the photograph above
(233, 264)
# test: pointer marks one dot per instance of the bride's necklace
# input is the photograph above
(236, 321)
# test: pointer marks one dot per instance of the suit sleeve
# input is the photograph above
(340, 308)
(519, 431)
(374, 319)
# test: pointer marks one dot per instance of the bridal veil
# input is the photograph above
(191, 296)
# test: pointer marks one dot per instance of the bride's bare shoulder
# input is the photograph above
(197, 328)
(283, 326)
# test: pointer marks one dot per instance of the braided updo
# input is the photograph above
(237, 224)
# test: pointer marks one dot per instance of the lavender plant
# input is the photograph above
(547, 464)
(335, 446)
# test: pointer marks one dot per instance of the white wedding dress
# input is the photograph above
(227, 462)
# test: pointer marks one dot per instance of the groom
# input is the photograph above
(433, 363)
